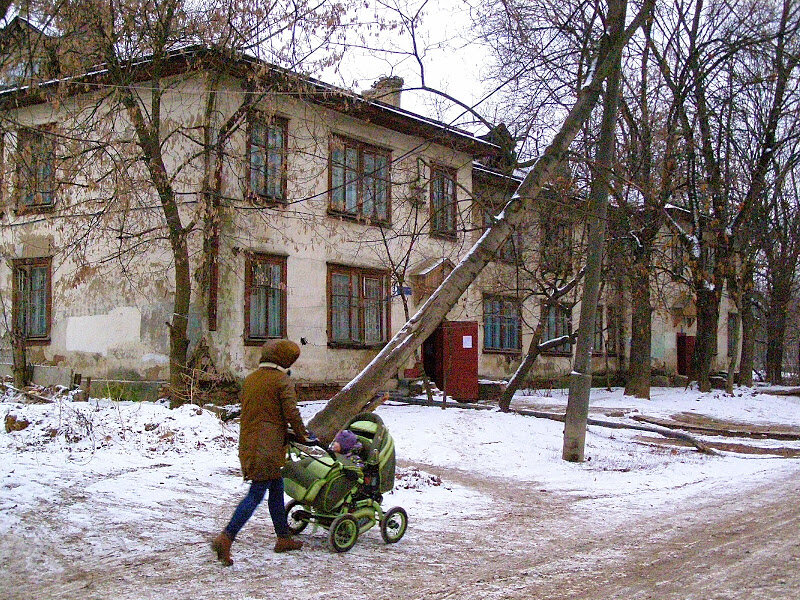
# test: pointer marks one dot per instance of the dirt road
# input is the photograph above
(744, 547)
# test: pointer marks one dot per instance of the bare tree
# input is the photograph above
(359, 391)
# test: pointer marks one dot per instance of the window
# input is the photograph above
(360, 186)
(35, 169)
(677, 255)
(264, 298)
(358, 306)
(556, 247)
(597, 342)
(31, 300)
(501, 324)
(558, 322)
(443, 201)
(267, 157)
(509, 251)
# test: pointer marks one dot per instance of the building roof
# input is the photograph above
(201, 57)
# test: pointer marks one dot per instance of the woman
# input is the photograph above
(269, 405)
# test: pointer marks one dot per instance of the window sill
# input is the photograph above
(37, 341)
(266, 200)
(500, 351)
(450, 237)
(355, 345)
(261, 341)
(35, 209)
(357, 219)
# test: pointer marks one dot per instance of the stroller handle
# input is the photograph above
(293, 439)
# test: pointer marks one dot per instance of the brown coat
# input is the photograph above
(269, 404)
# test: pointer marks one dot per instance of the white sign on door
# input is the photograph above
(467, 341)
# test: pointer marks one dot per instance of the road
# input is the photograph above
(547, 547)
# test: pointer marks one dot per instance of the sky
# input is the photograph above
(451, 62)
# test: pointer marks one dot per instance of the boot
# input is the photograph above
(222, 546)
(287, 544)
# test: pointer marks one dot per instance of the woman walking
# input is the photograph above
(269, 406)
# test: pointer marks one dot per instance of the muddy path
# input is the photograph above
(528, 543)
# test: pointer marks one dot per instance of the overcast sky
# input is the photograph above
(452, 64)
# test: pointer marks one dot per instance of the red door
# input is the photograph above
(685, 347)
(451, 358)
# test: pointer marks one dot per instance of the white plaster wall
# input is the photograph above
(99, 333)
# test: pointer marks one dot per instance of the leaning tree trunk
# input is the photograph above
(639, 364)
(706, 340)
(524, 368)
(358, 393)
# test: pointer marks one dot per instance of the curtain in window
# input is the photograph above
(443, 200)
(501, 327)
(340, 307)
(372, 310)
(266, 300)
(275, 145)
(32, 301)
(257, 158)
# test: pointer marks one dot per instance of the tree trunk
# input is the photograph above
(747, 359)
(580, 381)
(734, 343)
(358, 393)
(524, 368)
(639, 365)
(776, 331)
(19, 360)
(707, 302)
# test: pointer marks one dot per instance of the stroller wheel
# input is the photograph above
(393, 524)
(343, 532)
(296, 516)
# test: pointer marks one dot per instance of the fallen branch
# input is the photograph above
(668, 433)
(36, 397)
(720, 431)
(677, 435)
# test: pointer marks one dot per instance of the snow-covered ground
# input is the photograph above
(119, 498)
(91, 446)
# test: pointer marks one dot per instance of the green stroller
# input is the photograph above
(344, 494)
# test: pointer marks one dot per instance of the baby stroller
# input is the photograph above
(344, 494)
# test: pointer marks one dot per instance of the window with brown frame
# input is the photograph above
(267, 151)
(358, 306)
(501, 324)
(556, 245)
(360, 183)
(558, 323)
(264, 298)
(36, 165)
(443, 201)
(32, 298)
(511, 249)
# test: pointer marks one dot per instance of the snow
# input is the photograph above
(102, 465)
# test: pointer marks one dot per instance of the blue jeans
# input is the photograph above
(250, 502)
